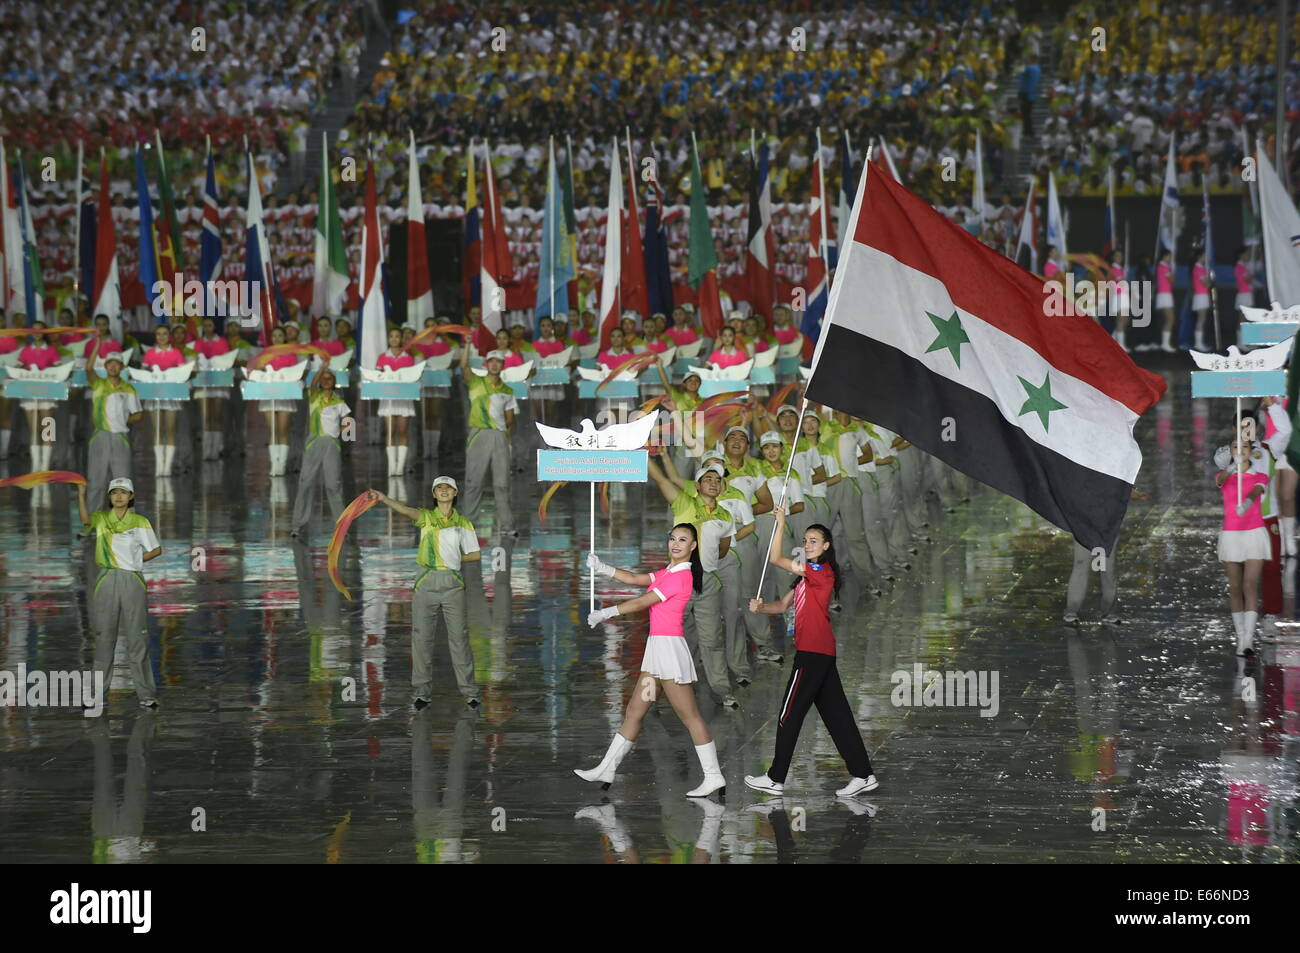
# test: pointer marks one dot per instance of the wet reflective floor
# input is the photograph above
(1142, 742)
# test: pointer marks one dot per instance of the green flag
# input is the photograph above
(703, 258)
(330, 279)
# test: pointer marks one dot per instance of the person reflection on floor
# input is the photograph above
(849, 848)
(117, 828)
(440, 819)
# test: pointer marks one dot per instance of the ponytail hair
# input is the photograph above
(827, 558)
(697, 567)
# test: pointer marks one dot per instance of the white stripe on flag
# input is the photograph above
(1093, 430)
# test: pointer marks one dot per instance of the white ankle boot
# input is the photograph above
(1287, 526)
(713, 779)
(401, 459)
(603, 773)
(1166, 342)
(1246, 637)
(169, 459)
(610, 825)
(712, 826)
(279, 456)
(1200, 341)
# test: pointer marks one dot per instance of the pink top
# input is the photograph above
(674, 587)
(1199, 285)
(161, 360)
(728, 360)
(1242, 273)
(1254, 518)
(1050, 268)
(333, 347)
(428, 349)
(786, 334)
(512, 359)
(38, 357)
(682, 336)
(612, 360)
(8, 344)
(658, 345)
(581, 336)
(284, 360)
(1164, 279)
(1270, 428)
(211, 347)
(1117, 272)
(545, 348)
(387, 360)
(760, 345)
(106, 348)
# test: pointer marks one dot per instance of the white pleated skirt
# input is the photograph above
(669, 657)
(1200, 301)
(396, 408)
(1245, 299)
(38, 404)
(1238, 545)
(1165, 299)
(162, 405)
(278, 406)
(211, 393)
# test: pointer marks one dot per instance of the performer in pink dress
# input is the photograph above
(38, 355)
(211, 400)
(396, 412)
(1244, 544)
(1165, 299)
(1200, 297)
(727, 353)
(161, 357)
(431, 397)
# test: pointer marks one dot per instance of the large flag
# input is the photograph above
(817, 280)
(11, 239)
(636, 295)
(472, 257)
(658, 276)
(259, 270)
(979, 199)
(557, 267)
(1055, 223)
(106, 298)
(1167, 225)
(210, 242)
(496, 260)
(419, 288)
(609, 285)
(32, 296)
(330, 277)
(760, 252)
(168, 242)
(148, 241)
(1109, 241)
(373, 326)
(967, 364)
(1281, 230)
(1029, 229)
(702, 259)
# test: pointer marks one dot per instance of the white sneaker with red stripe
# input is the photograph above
(858, 786)
(764, 785)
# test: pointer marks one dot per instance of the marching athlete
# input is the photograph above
(322, 459)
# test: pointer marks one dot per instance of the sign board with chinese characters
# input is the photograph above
(271, 390)
(224, 378)
(390, 390)
(713, 388)
(162, 390)
(1238, 383)
(436, 378)
(592, 466)
(36, 390)
(614, 390)
(1259, 333)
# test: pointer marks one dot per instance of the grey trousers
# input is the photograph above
(118, 608)
(752, 553)
(107, 458)
(440, 590)
(851, 538)
(322, 466)
(893, 512)
(488, 448)
(729, 571)
(912, 489)
(1079, 575)
(703, 625)
(874, 526)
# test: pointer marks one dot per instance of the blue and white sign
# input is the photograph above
(614, 390)
(36, 390)
(1238, 383)
(272, 390)
(1257, 335)
(592, 466)
(390, 390)
(162, 390)
(224, 378)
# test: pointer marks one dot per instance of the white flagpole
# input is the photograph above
(762, 576)
(821, 188)
(76, 242)
(592, 486)
(550, 238)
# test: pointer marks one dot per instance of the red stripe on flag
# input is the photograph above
(998, 291)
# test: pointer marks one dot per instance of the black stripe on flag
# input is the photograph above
(881, 384)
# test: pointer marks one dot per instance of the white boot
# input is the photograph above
(610, 825)
(279, 455)
(1288, 535)
(219, 444)
(604, 772)
(1246, 640)
(47, 456)
(4, 442)
(392, 460)
(1166, 342)
(713, 779)
(169, 458)
(711, 828)
(158, 460)
(401, 459)
(1236, 624)
(1200, 340)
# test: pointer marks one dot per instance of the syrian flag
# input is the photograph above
(818, 290)
(373, 331)
(106, 296)
(419, 289)
(1041, 408)
(609, 285)
(760, 253)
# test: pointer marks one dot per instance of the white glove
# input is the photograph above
(596, 616)
(600, 568)
(1242, 507)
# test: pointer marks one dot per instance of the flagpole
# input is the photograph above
(76, 241)
(762, 576)
(821, 190)
(592, 540)
(1209, 265)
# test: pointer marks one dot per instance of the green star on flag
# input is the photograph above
(1040, 400)
(951, 335)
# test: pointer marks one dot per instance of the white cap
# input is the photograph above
(770, 436)
(730, 430)
(736, 314)
(498, 355)
(790, 407)
(713, 453)
(711, 468)
(121, 483)
(439, 481)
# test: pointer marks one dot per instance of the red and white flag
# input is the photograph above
(609, 285)
(374, 318)
(419, 289)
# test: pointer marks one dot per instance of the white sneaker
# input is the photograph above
(768, 655)
(764, 785)
(858, 786)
